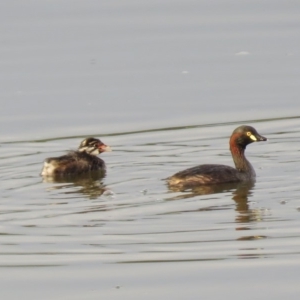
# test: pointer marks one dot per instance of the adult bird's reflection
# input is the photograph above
(240, 194)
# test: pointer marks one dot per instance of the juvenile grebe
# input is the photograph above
(78, 162)
(217, 174)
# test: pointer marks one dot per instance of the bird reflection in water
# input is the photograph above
(90, 185)
(241, 192)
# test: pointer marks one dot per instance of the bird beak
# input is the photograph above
(104, 148)
(258, 138)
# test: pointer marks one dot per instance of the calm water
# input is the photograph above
(164, 83)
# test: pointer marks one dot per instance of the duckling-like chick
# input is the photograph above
(78, 162)
(218, 174)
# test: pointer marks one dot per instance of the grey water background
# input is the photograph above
(164, 83)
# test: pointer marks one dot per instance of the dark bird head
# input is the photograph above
(244, 135)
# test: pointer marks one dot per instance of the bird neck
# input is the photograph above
(89, 150)
(240, 160)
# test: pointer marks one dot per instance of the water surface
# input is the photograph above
(164, 83)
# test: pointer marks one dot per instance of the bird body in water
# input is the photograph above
(217, 174)
(78, 162)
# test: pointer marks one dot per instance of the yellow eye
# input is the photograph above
(251, 136)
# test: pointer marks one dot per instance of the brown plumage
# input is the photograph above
(217, 174)
(78, 162)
